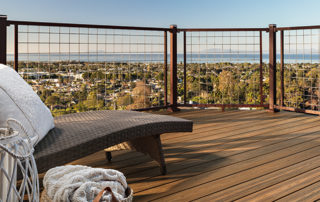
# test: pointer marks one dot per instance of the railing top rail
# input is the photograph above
(94, 26)
(298, 27)
(222, 29)
(56, 24)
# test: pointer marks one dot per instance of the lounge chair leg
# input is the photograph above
(109, 156)
(152, 146)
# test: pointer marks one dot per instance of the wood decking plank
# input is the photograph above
(188, 140)
(215, 122)
(265, 181)
(289, 186)
(244, 175)
(237, 163)
(229, 155)
(202, 151)
(308, 193)
(140, 158)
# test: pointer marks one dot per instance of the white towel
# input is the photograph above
(82, 183)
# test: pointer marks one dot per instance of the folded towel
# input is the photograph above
(82, 183)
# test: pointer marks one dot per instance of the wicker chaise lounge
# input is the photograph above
(81, 134)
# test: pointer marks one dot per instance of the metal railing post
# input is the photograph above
(3, 39)
(16, 45)
(184, 68)
(272, 68)
(165, 69)
(282, 68)
(261, 70)
(173, 69)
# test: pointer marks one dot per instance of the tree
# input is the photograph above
(140, 96)
(44, 93)
(97, 75)
(86, 75)
(125, 100)
(226, 86)
(80, 107)
(52, 100)
(92, 102)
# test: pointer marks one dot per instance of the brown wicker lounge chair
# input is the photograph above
(81, 134)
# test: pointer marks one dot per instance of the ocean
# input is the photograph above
(158, 58)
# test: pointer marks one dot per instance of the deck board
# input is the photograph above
(245, 155)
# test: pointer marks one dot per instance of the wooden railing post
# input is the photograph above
(3, 39)
(272, 68)
(173, 69)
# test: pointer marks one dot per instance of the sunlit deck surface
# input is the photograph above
(231, 155)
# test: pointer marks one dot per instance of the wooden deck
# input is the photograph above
(232, 155)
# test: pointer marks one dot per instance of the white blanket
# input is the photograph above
(20, 102)
(81, 183)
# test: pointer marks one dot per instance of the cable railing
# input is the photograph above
(76, 67)
(299, 84)
(224, 68)
(80, 67)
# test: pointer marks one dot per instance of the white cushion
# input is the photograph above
(20, 102)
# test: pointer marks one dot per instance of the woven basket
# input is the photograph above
(129, 196)
(16, 157)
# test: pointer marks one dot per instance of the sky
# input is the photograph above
(162, 13)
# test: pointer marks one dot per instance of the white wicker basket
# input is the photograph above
(16, 156)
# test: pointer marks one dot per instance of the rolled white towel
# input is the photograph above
(82, 183)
